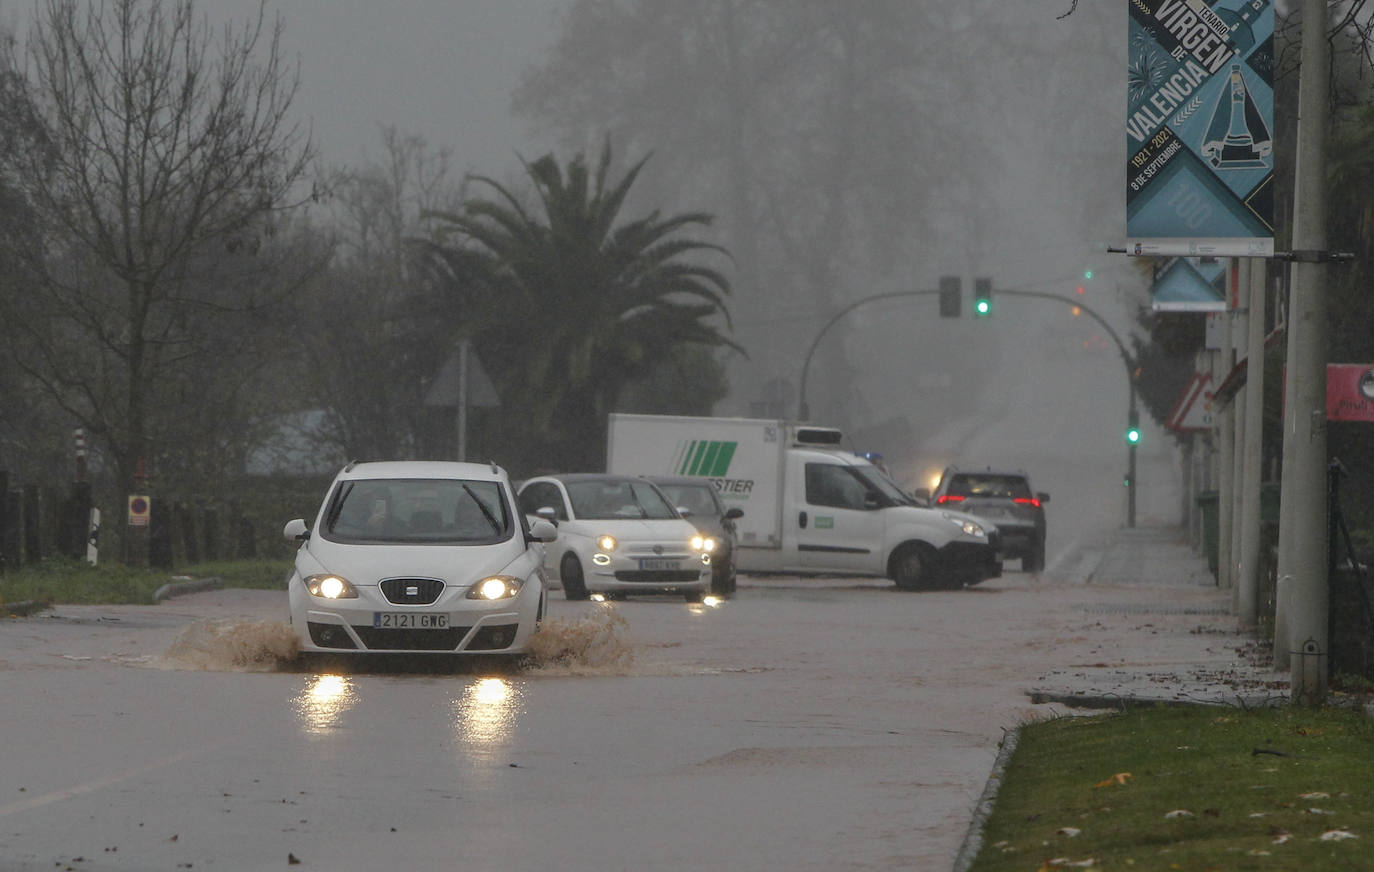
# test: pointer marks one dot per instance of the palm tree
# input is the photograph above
(577, 300)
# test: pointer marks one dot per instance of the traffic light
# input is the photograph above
(982, 298)
(1133, 429)
(950, 296)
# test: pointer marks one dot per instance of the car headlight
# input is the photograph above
(968, 527)
(606, 543)
(495, 587)
(327, 586)
(703, 543)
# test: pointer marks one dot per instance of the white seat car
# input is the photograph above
(418, 556)
(617, 535)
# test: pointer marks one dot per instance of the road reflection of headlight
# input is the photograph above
(322, 701)
(710, 601)
(487, 711)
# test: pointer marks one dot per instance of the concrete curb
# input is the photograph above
(24, 609)
(188, 585)
(973, 840)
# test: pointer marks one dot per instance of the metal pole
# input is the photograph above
(1247, 575)
(1303, 553)
(1133, 417)
(462, 399)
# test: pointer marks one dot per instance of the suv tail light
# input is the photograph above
(1027, 501)
(948, 498)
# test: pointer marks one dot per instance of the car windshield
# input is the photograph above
(1008, 487)
(439, 511)
(875, 479)
(695, 498)
(607, 499)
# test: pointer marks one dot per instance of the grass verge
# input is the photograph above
(63, 580)
(1192, 788)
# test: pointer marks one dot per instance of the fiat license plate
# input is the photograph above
(658, 563)
(410, 620)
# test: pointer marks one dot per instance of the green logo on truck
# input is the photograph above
(706, 457)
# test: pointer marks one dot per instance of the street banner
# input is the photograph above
(1349, 392)
(1199, 128)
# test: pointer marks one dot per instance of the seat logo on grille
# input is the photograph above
(412, 590)
(658, 549)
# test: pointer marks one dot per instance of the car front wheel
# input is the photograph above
(913, 567)
(574, 584)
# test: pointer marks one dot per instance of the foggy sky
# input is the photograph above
(441, 69)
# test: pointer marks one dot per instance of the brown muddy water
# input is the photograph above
(591, 644)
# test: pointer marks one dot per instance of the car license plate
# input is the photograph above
(410, 620)
(657, 563)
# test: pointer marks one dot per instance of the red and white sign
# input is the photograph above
(139, 511)
(1193, 411)
(1350, 392)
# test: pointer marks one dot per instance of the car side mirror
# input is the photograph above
(684, 511)
(296, 531)
(734, 512)
(1043, 497)
(544, 530)
(548, 513)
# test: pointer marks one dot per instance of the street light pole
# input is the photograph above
(1303, 544)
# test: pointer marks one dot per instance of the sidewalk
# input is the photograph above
(1180, 641)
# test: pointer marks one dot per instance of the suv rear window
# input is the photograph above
(1010, 487)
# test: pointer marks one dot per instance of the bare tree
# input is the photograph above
(167, 152)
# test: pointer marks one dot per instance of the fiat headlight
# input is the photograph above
(495, 587)
(703, 543)
(606, 543)
(327, 586)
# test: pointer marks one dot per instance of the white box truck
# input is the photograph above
(810, 507)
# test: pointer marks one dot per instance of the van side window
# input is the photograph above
(830, 484)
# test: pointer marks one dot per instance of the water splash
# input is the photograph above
(233, 646)
(589, 644)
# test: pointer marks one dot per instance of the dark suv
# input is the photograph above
(1005, 498)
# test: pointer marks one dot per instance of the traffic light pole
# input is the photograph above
(804, 410)
(1132, 414)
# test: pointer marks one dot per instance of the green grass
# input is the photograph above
(1191, 788)
(63, 580)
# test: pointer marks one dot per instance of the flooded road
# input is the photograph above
(807, 724)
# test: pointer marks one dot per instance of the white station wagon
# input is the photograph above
(418, 556)
(617, 535)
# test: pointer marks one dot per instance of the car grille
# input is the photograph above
(378, 639)
(411, 591)
(658, 576)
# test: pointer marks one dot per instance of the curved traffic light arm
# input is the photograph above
(803, 412)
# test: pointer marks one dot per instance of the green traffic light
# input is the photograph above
(982, 307)
(1133, 435)
(1087, 274)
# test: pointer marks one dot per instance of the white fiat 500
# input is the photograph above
(617, 535)
(418, 557)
